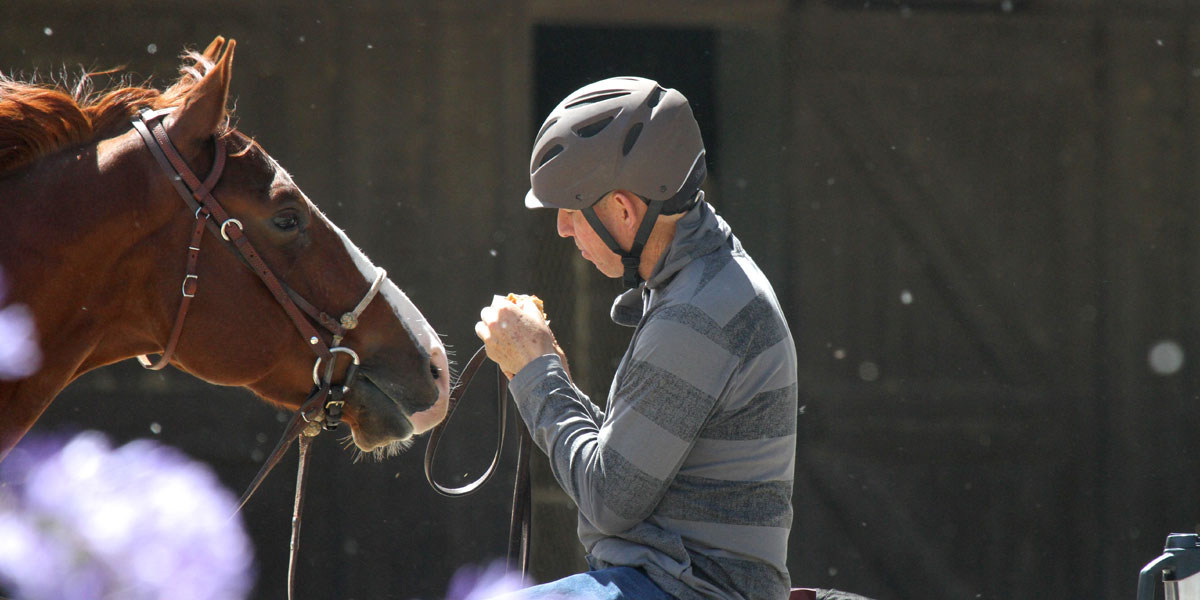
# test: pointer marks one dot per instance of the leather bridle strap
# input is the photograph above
(198, 195)
(187, 289)
(521, 519)
(323, 405)
(297, 510)
(305, 430)
(296, 426)
(191, 279)
(519, 523)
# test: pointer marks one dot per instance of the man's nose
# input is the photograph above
(564, 224)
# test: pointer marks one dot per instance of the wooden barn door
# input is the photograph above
(987, 210)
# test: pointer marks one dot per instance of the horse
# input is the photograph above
(112, 264)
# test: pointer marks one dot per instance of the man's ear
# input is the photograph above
(629, 209)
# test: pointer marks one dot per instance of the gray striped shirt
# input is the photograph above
(688, 474)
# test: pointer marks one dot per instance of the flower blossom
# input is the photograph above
(139, 522)
(20, 355)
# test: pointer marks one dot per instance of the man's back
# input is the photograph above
(702, 415)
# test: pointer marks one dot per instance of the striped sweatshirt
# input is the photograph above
(688, 472)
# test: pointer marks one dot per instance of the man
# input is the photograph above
(684, 481)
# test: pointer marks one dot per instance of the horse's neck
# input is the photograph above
(74, 252)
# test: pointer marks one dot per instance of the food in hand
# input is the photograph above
(518, 298)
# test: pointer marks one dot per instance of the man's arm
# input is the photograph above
(617, 470)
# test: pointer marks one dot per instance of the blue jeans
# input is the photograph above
(614, 583)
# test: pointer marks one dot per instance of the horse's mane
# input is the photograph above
(40, 118)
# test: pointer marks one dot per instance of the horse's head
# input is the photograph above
(237, 332)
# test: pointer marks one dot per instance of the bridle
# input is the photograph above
(210, 214)
(321, 410)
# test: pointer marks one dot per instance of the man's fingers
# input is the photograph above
(483, 332)
(489, 315)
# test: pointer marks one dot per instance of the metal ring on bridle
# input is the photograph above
(226, 224)
(329, 368)
(183, 286)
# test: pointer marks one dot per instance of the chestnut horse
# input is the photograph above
(98, 244)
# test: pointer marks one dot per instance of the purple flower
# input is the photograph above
(20, 356)
(475, 583)
(141, 521)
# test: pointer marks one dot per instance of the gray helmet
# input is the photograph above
(622, 133)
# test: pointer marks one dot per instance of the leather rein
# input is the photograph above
(520, 519)
(322, 408)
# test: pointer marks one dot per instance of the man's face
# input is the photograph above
(572, 224)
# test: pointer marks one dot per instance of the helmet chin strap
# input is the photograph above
(632, 259)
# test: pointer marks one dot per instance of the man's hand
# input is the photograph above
(515, 333)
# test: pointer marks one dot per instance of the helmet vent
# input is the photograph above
(631, 138)
(655, 96)
(601, 97)
(554, 150)
(591, 129)
(545, 127)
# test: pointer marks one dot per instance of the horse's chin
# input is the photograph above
(380, 422)
(377, 422)
(370, 442)
(376, 450)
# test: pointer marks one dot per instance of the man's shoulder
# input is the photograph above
(720, 284)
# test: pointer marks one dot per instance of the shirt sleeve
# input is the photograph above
(617, 468)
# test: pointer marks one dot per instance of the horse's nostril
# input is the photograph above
(435, 371)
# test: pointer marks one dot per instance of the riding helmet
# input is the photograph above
(622, 133)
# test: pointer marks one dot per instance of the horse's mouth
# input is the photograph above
(377, 420)
(381, 416)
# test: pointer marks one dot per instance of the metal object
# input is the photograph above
(226, 224)
(1179, 565)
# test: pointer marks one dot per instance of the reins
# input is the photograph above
(520, 518)
(305, 430)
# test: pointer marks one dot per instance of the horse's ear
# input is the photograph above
(204, 110)
(214, 48)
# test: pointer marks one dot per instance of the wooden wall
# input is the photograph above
(981, 223)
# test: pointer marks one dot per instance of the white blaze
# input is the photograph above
(420, 330)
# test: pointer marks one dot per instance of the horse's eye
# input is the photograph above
(286, 221)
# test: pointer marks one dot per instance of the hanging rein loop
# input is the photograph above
(435, 434)
(520, 519)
